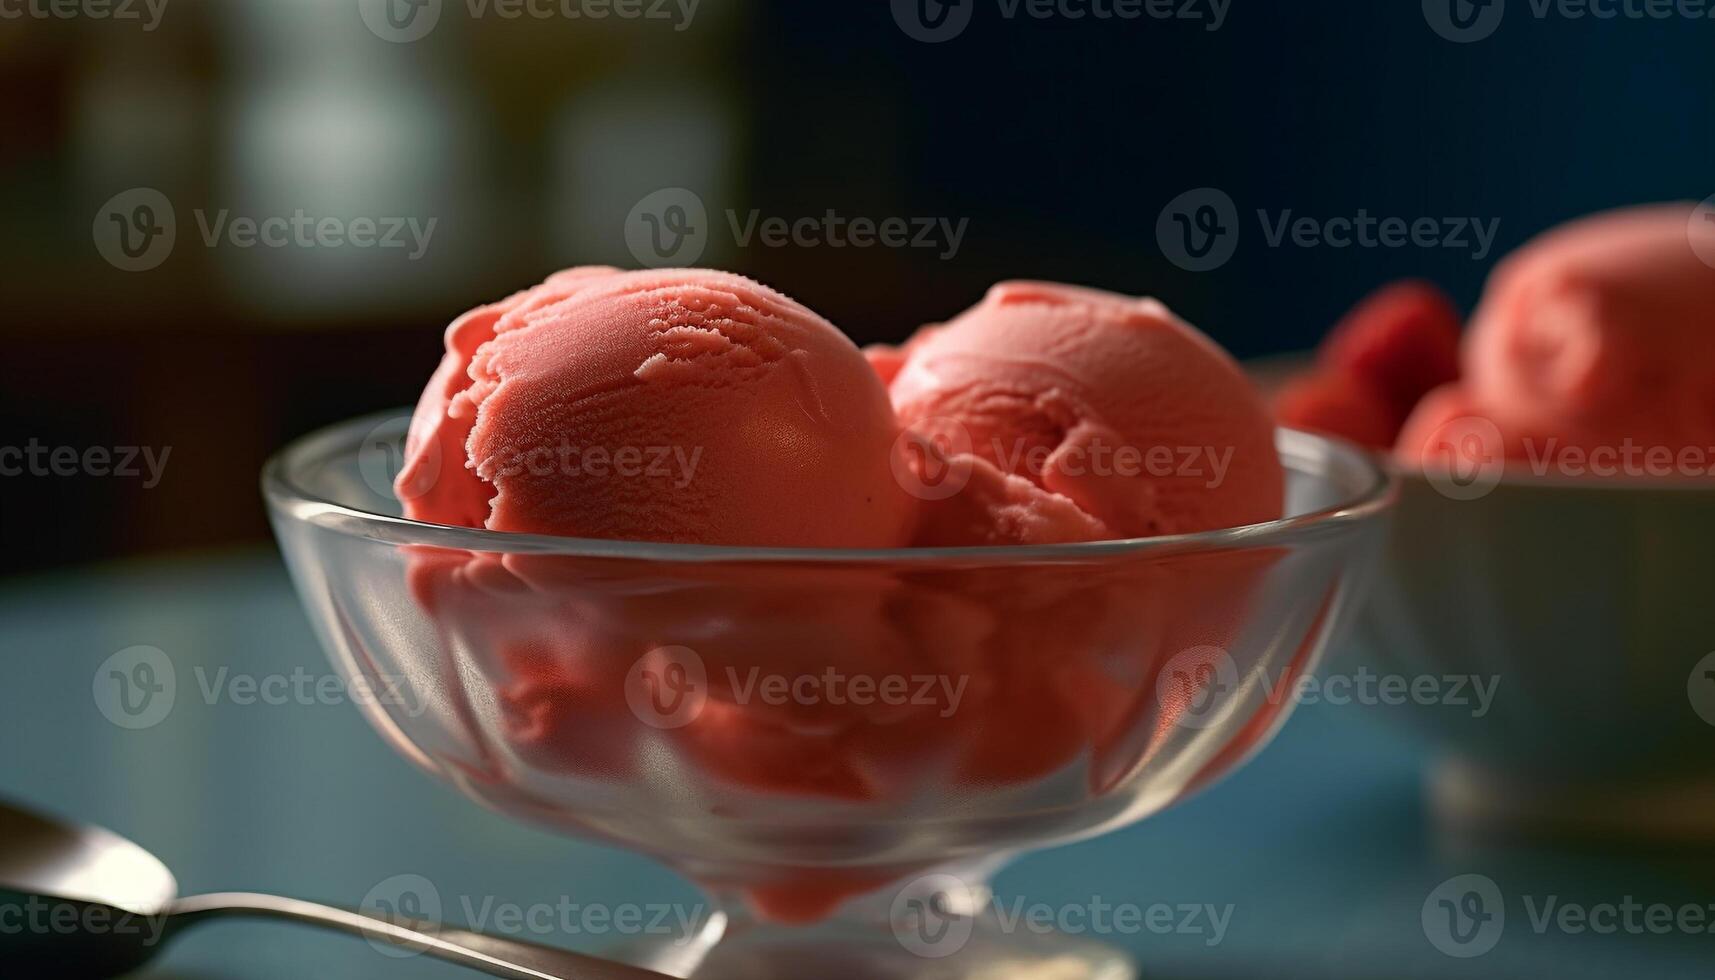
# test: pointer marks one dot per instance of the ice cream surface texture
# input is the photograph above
(1070, 413)
(675, 405)
(1594, 335)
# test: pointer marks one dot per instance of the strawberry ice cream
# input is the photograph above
(1591, 338)
(1075, 414)
(1053, 413)
(1047, 414)
(675, 405)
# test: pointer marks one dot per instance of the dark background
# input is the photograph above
(530, 140)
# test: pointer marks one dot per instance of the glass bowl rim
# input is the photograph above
(288, 499)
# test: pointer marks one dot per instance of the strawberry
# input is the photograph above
(1402, 341)
(1335, 402)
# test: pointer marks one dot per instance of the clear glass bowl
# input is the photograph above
(840, 746)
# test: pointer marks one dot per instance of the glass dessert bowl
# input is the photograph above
(839, 746)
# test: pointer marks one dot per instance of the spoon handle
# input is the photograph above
(499, 957)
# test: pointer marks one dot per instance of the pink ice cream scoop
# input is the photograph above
(1595, 334)
(1603, 325)
(1079, 414)
(673, 405)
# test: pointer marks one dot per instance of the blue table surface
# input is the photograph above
(1320, 847)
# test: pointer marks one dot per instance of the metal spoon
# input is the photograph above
(80, 901)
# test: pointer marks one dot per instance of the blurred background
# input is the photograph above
(231, 221)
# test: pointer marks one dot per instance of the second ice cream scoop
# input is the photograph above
(1097, 403)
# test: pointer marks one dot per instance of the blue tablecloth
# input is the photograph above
(1318, 855)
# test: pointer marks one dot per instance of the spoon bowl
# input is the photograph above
(80, 901)
(90, 902)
